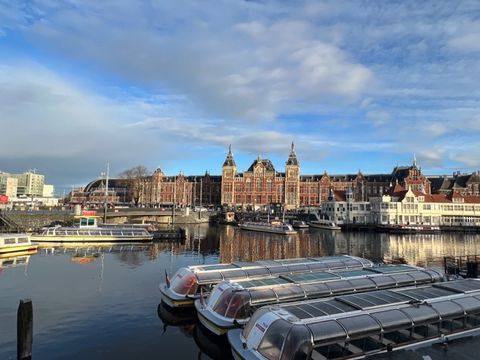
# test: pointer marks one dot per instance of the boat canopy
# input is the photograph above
(238, 299)
(353, 325)
(186, 280)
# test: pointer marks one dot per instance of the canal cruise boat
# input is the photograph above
(361, 325)
(11, 243)
(324, 224)
(88, 230)
(273, 227)
(190, 283)
(231, 303)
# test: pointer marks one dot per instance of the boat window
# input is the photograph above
(469, 304)
(420, 276)
(9, 241)
(425, 293)
(359, 325)
(362, 284)
(262, 295)
(327, 330)
(83, 222)
(184, 282)
(402, 279)
(392, 268)
(257, 272)
(317, 266)
(253, 320)
(461, 286)
(22, 240)
(223, 301)
(209, 277)
(91, 221)
(309, 277)
(272, 341)
(316, 289)
(234, 274)
(374, 298)
(297, 344)
(239, 306)
(421, 314)
(340, 286)
(263, 282)
(298, 268)
(392, 319)
(383, 281)
(289, 292)
(448, 309)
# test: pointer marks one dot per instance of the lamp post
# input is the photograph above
(106, 194)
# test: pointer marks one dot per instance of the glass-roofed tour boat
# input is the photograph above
(188, 283)
(359, 325)
(269, 227)
(231, 303)
(89, 231)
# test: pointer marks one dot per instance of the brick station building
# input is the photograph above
(261, 184)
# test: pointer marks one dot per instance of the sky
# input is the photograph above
(356, 85)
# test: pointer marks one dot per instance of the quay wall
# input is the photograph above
(31, 220)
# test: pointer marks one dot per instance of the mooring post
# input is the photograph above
(24, 329)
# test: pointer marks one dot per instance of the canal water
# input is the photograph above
(102, 302)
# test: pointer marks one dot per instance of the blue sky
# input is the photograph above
(355, 84)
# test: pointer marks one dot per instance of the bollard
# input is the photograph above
(24, 329)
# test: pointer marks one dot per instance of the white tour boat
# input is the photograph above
(324, 224)
(280, 228)
(10, 243)
(88, 231)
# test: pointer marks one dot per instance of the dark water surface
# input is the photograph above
(103, 302)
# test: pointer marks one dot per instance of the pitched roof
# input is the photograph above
(265, 162)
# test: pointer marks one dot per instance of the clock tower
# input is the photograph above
(292, 180)
(229, 170)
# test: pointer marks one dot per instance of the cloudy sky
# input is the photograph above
(170, 83)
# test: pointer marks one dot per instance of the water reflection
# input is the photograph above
(416, 249)
(91, 301)
(215, 347)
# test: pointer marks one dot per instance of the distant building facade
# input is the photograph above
(30, 184)
(8, 185)
(261, 184)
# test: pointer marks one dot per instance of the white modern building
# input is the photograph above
(399, 206)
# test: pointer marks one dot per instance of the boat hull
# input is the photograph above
(325, 227)
(94, 239)
(17, 248)
(268, 230)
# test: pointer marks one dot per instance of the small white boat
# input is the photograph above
(10, 243)
(300, 224)
(280, 228)
(88, 231)
(324, 224)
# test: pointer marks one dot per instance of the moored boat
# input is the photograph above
(231, 303)
(275, 228)
(360, 325)
(10, 243)
(324, 224)
(299, 224)
(188, 283)
(88, 231)
(410, 229)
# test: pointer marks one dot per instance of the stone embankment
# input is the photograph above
(32, 220)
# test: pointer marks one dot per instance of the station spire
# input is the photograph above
(292, 158)
(229, 160)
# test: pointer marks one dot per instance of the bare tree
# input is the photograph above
(135, 181)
